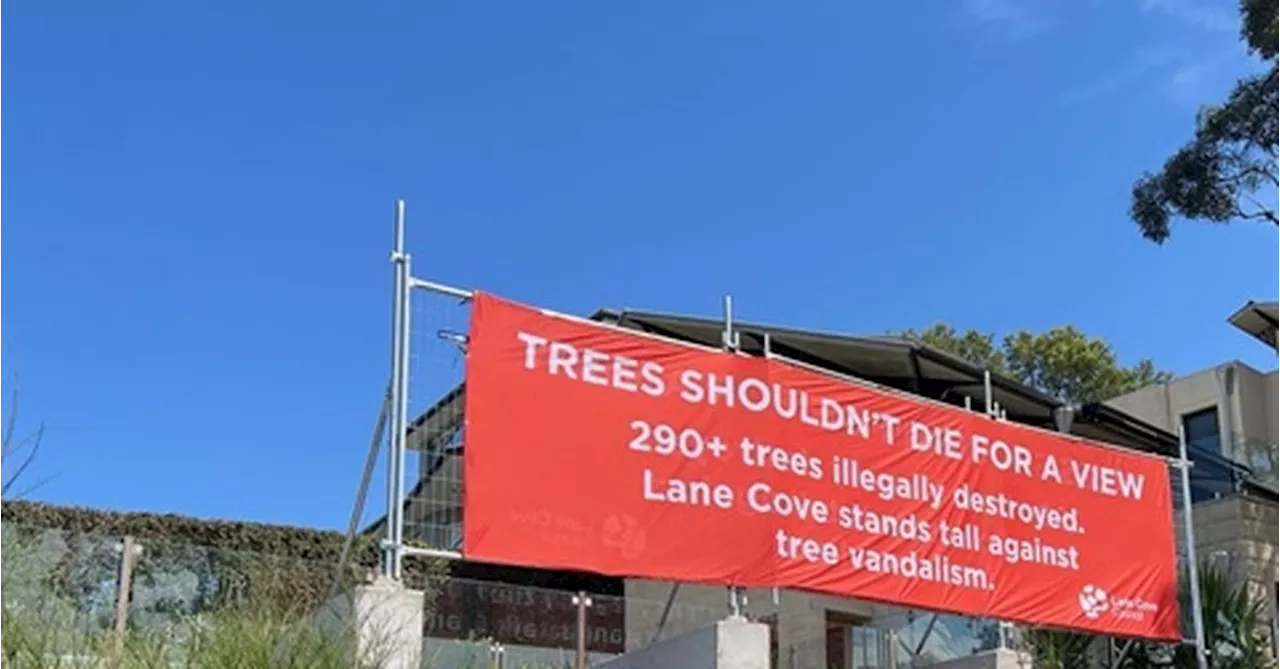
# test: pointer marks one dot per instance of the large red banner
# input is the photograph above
(591, 448)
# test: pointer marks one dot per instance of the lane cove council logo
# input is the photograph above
(1093, 601)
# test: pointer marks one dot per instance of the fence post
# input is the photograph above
(1193, 570)
(582, 601)
(393, 545)
(124, 585)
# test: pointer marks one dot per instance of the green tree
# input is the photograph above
(1235, 629)
(979, 348)
(1215, 177)
(1062, 362)
(1056, 649)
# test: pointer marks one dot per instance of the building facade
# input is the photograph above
(1228, 411)
(1229, 414)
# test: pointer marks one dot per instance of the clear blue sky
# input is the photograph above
(197, 198)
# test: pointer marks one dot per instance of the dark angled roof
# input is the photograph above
(1257, 319)
(895, 362)
(909, 365)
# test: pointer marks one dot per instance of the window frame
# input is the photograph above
(1215, 409)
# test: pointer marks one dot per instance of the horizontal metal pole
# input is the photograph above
(636, 333)
(463, 293)
(423, 284)
(431, 552)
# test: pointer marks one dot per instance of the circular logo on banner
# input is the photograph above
(1093, 601)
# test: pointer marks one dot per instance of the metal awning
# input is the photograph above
(1258, 320)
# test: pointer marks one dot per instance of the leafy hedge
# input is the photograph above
(233, 563)
(310, 545)
(294, 542)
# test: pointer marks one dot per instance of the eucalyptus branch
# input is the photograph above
(1262, 213)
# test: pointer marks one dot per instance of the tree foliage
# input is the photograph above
(1235, 628)
(1235, 634)
(1057, 649)
(1062, 362)
(1216, 176)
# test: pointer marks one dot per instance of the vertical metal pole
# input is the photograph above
(729, 340)
(402, 428)
(582, 601)
(391, 547)
(1193, 570)
(986, 389)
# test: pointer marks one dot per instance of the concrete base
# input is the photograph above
(384, 619)
(1000, 658)
(733, 643)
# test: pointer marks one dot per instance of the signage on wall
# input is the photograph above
(516, 615)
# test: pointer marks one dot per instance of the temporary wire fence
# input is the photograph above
(433, 508)
(433, 519)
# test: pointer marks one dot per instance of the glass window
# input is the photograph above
(1202, 431)
(852, 645)
(866, 647)
(1211, 477)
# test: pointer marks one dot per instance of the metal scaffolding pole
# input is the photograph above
(357, 509)
(402, 399)
(989, 406)
(731, 343)
(391, 553)
(1193, 570)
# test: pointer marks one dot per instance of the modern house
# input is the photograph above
(1229, 414)
(809, 631)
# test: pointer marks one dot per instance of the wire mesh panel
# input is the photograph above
(433, 505)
